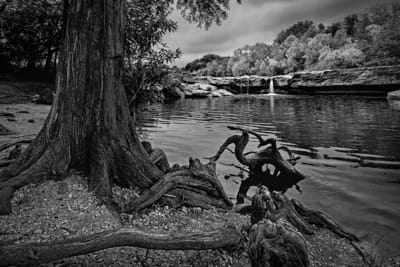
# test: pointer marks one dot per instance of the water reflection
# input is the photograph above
(331, 133)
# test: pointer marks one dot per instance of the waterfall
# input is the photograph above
(271, 87)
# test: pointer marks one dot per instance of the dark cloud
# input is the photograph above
(257, 21)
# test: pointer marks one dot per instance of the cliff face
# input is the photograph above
(374, 80)
(256, 84)
(371, 80)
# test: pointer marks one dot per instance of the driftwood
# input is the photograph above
(285, 174)
(278, 228)
(33, 254)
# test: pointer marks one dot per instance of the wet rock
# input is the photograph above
(198, 90)
(395, 95)
(369, 80)
(221, 92)
(173, 92)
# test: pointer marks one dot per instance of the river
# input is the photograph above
(330, 133)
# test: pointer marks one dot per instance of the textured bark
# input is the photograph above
(278, 226)
(276, 235)
(33, 254)
(5, 146)
(276, 244)
(193, 185)
(89, 127)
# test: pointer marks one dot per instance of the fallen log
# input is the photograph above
(32, 254)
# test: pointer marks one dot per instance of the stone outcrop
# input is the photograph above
(371, 80)
(202, 90)
(255, 84)
(395, 95)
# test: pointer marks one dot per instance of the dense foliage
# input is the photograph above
(366, 39)
(29, 33)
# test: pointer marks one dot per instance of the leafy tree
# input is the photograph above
(297, 30)
(348, 56)
(30, 32)
(241, 67)
(388, 37)
(145, 52)
(89, 128)
(333, 28)
(349, 24)
(201, 63)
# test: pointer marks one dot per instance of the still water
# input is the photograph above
(330, 133)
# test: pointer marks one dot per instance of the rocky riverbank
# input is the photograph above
(64, 209)
(368, 80)
(59, 210)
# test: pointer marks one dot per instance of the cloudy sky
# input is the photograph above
(256, 21)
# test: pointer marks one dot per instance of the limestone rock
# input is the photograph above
(368, 80)
(395, 95)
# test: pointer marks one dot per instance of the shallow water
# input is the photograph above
(331, 133)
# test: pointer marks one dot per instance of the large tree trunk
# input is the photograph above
(89, 127)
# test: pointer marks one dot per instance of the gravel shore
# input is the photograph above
(57, 210)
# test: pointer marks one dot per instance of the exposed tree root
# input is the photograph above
(37, 253)
(24, 141)
(4, 163)
(285, 174)
(194, 185)
(277, 244)
(5, 131)
(322, 220)
(276, 237)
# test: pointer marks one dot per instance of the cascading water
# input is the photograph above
(271, 87)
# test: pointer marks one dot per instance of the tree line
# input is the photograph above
(371, 38)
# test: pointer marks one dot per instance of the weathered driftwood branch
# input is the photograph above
(37, 253)
(285, 174)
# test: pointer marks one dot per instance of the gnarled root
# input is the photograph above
(5, 131)
(277, 244)
(193, 185)
(322, 220)
(276, 237)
